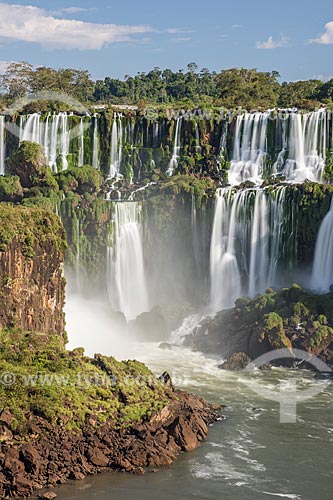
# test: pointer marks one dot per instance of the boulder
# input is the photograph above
(236, 362)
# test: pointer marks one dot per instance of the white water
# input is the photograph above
(307, 145)
(95, 159)
(176, 148)
(246, 244)
(126, 270)
(250, 148)
(116, 146)
(2, 145)
(81, 144)
(322, 272)
(224, 270)
(52, 135)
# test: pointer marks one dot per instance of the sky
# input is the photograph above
(124, 37)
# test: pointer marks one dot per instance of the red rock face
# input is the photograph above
(32, 290)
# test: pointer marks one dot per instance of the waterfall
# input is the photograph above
(250, 148)
(322, 272)
(2, 145)
(81, 144)
(176, 148)
(246, 243)
(95, 158)
(126, 271)
(116, 146)
(223, 143)
(307, 147)
(52, 135)
(197, 138)
(31, 130)
(224, 271)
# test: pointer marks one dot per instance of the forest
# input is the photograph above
(231, 88)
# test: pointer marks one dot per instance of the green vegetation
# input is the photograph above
(67, 388)
(231, 88)
(29, 227)
(278, 316)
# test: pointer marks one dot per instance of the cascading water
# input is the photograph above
(176, 148)
(95, 159)
(307, 145)
(246, 243)
(322, 272)
(126, 270)
(224, 270)
(250, 148)
(81, 143)
(197, 138)
(2, 145)
(52, 135)
(116, 146)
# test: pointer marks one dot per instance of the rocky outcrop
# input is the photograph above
(32, 289)
(50, 456)
(288, 319)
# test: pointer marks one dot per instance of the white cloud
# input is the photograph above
(236, 26)
(32, 24)
(270, 43)
(182, 39)
(176, 31)
(75, 10)
(327, 37)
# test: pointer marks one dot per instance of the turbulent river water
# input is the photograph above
(249, 456)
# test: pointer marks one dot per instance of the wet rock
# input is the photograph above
(166, 379)
(236, 362)
(48, 495)
(166, 346)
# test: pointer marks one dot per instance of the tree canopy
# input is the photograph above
(235, 87)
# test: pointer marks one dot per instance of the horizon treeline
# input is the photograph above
(230, 88)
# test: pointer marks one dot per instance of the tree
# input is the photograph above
(17, 79)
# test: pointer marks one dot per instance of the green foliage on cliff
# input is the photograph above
(292, 316)
(10, 189)
(80, 180)
(67, 388)
(29, 227)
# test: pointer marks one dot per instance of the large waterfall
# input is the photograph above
(307, 145)
(126, 270)
(2, 145)
(304, 141)
(250, 148)
(257, 145)
(322, 272)
(246, 243)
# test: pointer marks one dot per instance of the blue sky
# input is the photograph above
(114, 38)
